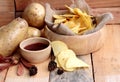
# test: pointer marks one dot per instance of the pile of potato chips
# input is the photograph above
(78, 21)
(66, 58)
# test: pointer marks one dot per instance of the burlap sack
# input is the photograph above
(64, 30)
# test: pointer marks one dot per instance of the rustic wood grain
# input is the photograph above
(42, 75)
(7, 11)
(7, 6)
(21, 4)
(98, 11)
(115, 11)
(103, 3)
(106, 61)
(6, 17)
(3, 75)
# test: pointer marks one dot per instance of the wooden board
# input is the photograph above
(99, 11)
(21, 4)
(6, 17)
(7, 14)
(103, 3)
(3, 75)
(7, 6)
(106, 61)
(115, 11)
(43, 73)
(7, 11)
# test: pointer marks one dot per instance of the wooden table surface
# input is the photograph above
(104, 63)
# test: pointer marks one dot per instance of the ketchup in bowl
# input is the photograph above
(36, 46)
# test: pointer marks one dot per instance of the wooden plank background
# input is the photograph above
(98, 6)
(3, 75)
(7, 14)
(10, 8)
(21, 4)
(115, 11)
(41, 76)
(7, 11)
(7, 6)
(106, 61)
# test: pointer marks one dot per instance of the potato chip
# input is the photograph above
(84, 17)
(76, 28)
(70, 9)
(58, 17)
(64, 56)
(82, 30)
(74, 62)
(70, 69)
(78, 11)
(67, 69)
(78, 21)
(70, 24)
(58, 46)
(69, 15)
(62, 60)
(58, 21)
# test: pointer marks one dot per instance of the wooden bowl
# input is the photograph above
(33, 50)
(80, 44)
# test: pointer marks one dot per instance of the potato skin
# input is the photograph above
(11, 35)
(34, 14)
(33, 32)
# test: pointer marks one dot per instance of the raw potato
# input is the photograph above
(34, 14)
(11, 35)
(33, 32)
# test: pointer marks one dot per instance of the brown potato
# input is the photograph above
(33, 32)
(34, 14)
(11, 35)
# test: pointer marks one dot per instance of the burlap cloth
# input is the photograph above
(76, 76)
(80, 75)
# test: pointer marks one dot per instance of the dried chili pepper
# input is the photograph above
(6, 62)
(32, 68)
(20, 69)
(4, 66)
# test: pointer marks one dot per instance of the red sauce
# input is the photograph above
(36, 46)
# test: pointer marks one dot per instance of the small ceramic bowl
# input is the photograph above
(35, 49)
